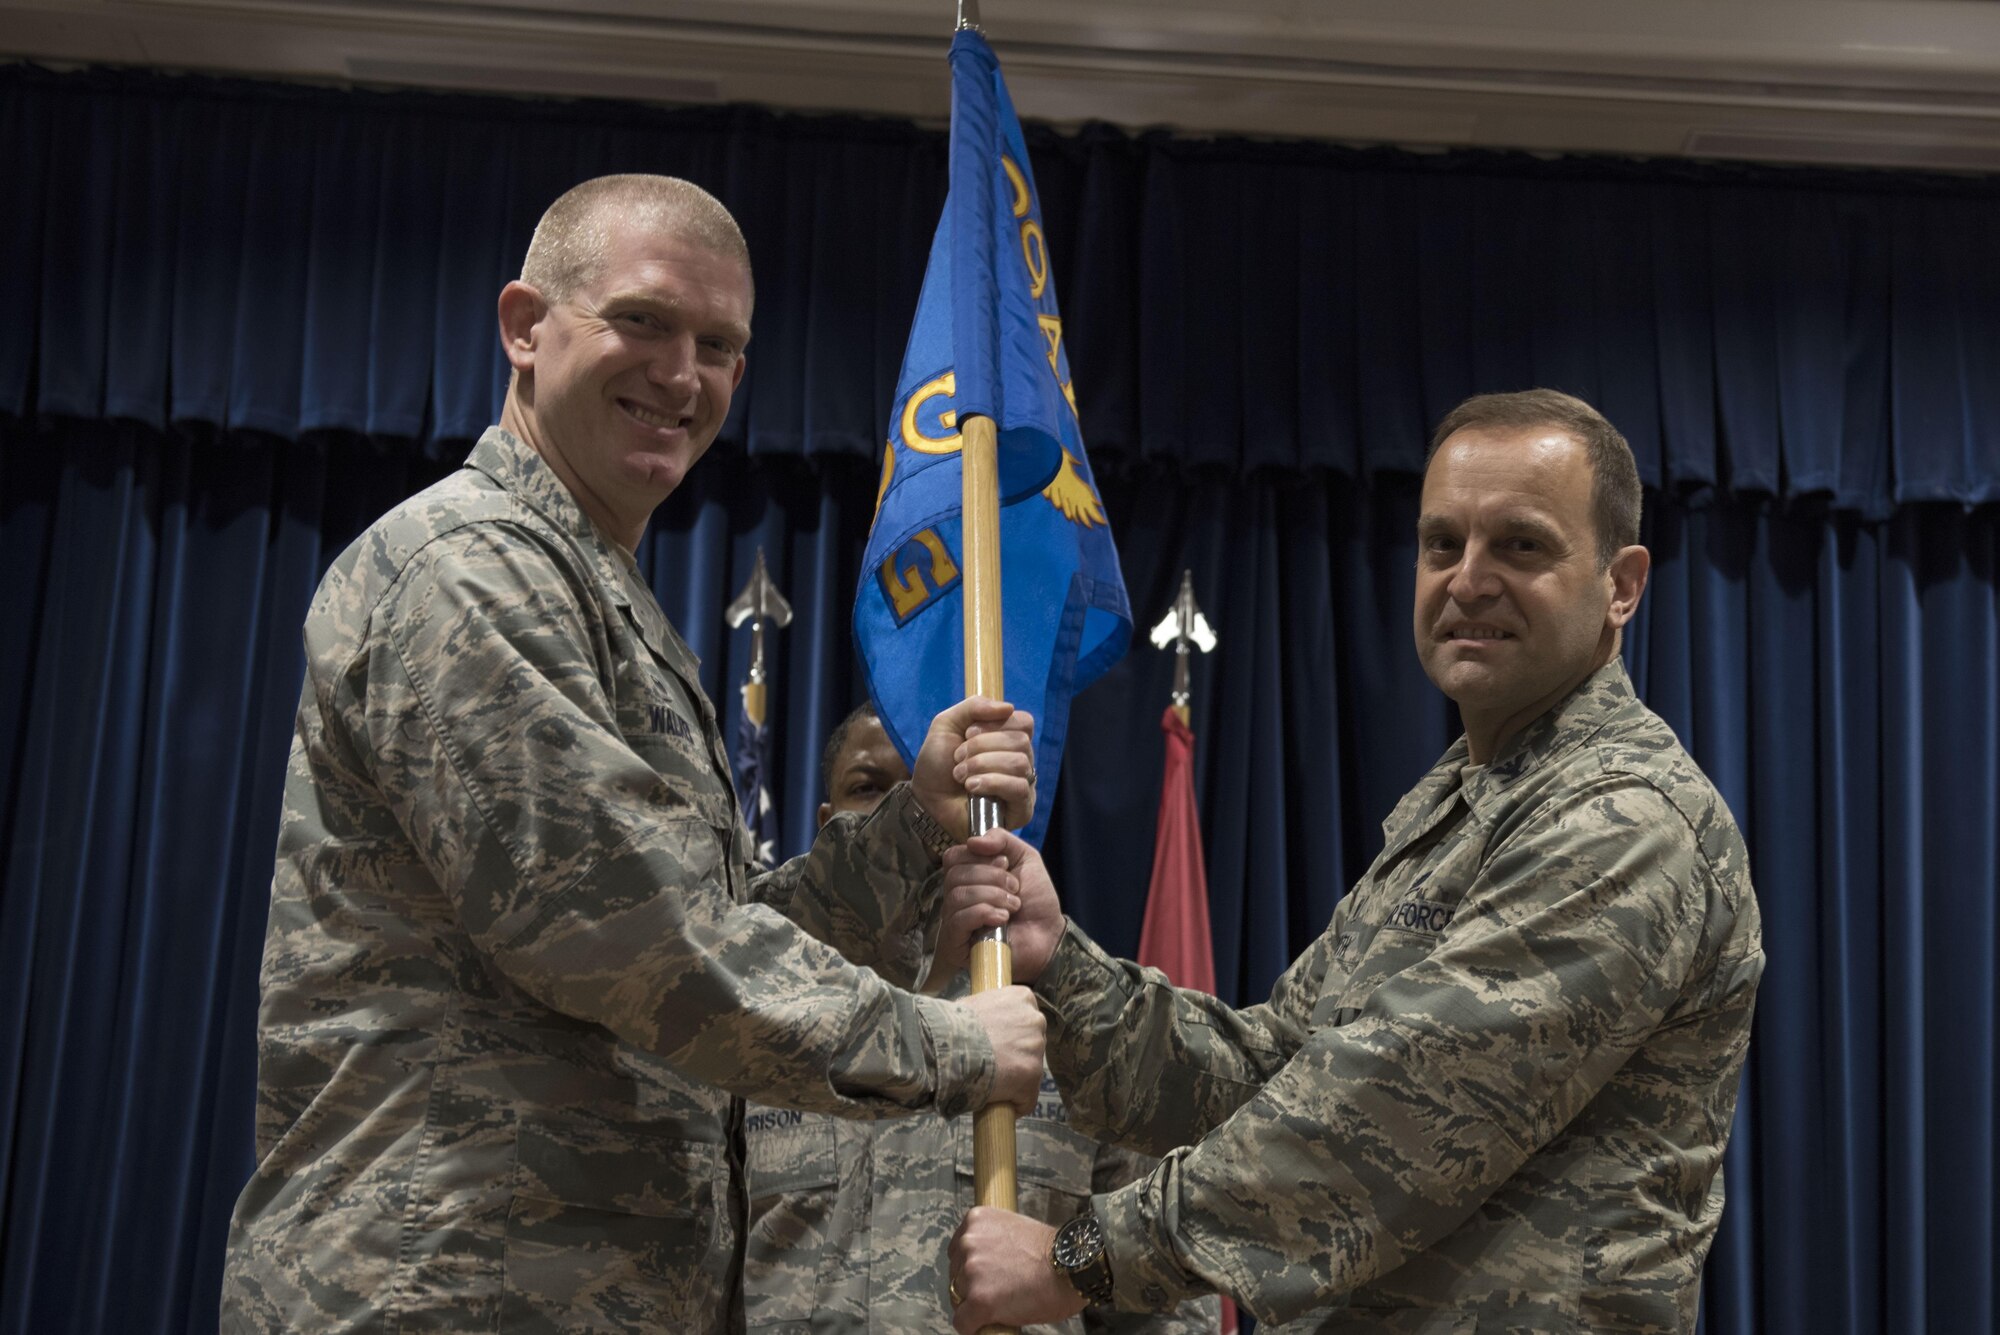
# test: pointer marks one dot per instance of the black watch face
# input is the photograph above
(1079, 1241)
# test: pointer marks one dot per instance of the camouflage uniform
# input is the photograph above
(1493, 1096)
(849, 1221)
(513, 968)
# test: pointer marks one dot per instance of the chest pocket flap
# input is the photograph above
(789, 1151)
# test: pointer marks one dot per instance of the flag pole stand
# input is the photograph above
(993, 1153)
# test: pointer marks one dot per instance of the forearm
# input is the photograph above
(1144, 1063)
(738, 996)
(1293, 1202)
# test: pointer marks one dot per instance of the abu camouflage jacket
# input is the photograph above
(514, 975)
(1493, 1096)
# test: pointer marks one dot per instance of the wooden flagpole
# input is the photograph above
(993, 1156)
(993, 1152)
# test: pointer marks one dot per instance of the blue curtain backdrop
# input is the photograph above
(243, 320)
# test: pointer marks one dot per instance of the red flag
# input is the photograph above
(1175, 937)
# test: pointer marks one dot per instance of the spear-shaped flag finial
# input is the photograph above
(1183, 625)
(760, 604)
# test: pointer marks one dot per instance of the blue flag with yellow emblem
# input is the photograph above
(988, 340)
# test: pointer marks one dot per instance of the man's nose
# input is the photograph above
(1476, 575)
(673, 364)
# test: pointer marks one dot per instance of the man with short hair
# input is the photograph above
(518, 967)
(1495, 1093)
(849, 1220)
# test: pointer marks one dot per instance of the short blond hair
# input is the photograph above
(569, 242)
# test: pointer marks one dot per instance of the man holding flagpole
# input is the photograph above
(1496, 1092)
(520, 967)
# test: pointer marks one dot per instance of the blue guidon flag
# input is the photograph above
(988, 341)
(753, 781)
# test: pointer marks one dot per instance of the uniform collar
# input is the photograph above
(1574, 720)
(524, 474)
(510, 461)
(1424, 805)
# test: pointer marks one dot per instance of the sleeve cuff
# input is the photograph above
(1145, 1276)
(932, 837)
(961, 1055)
(1077, 976)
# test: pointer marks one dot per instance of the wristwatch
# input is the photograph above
(937, 840)
(1078, 1253)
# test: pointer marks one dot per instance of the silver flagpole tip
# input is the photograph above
(759, 602)
(968, 15)
(1184, 624)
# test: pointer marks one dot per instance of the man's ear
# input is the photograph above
(1628, 573)
(825, 813)
(521, 312)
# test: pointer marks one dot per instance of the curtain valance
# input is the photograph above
(288, 260)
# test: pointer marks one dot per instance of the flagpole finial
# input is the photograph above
(968, 16)
(1182, 626)
(761, 605)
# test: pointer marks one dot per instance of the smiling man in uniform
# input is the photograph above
(518, 968)
(1495, 1093)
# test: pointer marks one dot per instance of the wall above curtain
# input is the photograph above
(1876, 82)
(289, 260)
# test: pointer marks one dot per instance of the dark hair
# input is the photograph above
(1614, 486)
(837, 739)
